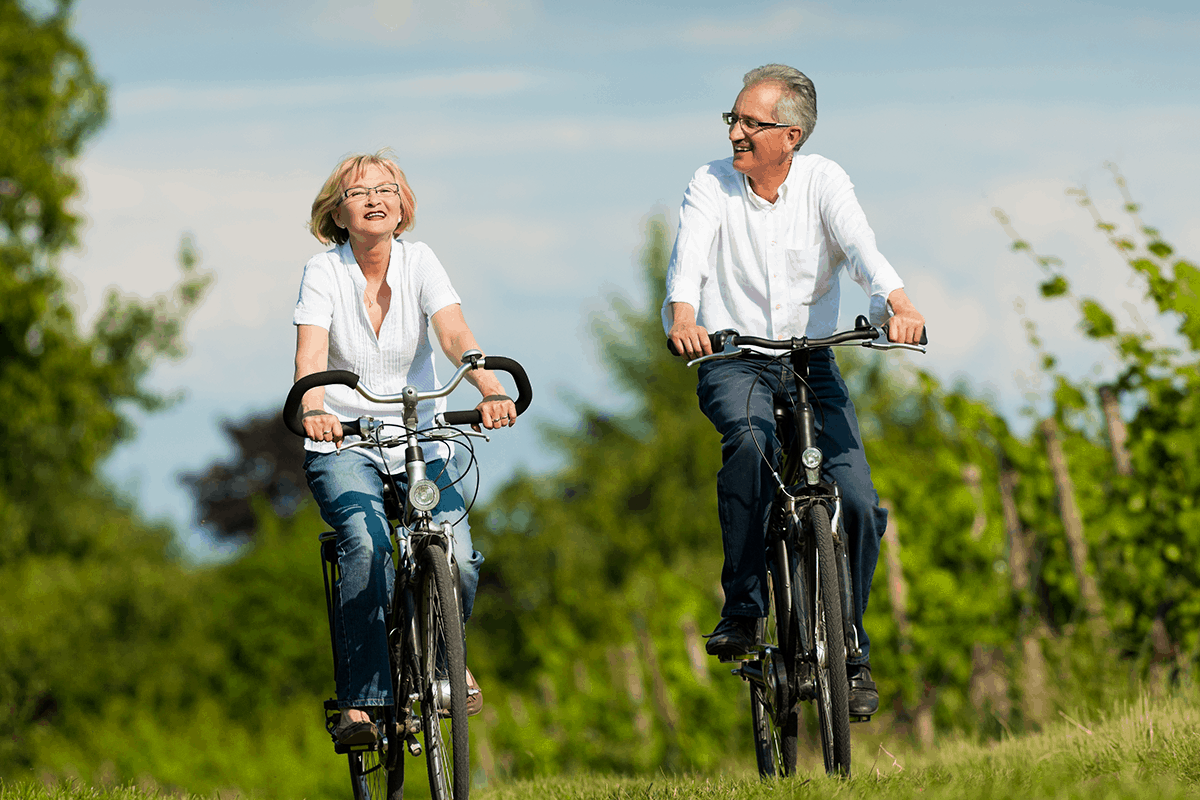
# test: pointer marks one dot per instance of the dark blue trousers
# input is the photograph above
(745, 486)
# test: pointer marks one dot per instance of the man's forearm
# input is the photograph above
(682, 313)
(900, 302)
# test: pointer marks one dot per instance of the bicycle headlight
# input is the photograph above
(811, 457)
(424, 495)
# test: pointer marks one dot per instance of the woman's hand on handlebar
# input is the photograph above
(498, 411)
(323, 427)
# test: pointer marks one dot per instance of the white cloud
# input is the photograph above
(791, 22)
(397, 21)
(271, 97)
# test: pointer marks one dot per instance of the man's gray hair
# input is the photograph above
(798, 103)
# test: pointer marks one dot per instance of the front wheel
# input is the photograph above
(443, 688)
(833, 689)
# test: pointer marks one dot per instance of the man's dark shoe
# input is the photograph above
(354, 733)
(734, 636)
(864, 697)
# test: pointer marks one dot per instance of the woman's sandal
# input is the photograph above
(348, 732)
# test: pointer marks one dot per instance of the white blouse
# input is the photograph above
(331, 297)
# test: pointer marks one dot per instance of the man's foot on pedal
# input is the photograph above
(474, 695)
(354, 732)
(864, 697)
(733, 636)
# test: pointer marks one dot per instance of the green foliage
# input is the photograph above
(598, 576)
(1142, 527)
(87, 584)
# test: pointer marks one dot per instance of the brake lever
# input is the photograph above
(729, 352)
(895, 346)
(450, 432)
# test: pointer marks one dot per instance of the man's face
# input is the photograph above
(767, 148)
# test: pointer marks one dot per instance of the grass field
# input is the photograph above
(1146, 749)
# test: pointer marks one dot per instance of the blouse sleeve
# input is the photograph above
(435, 290)
(315, 304)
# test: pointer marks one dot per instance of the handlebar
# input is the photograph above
(293, 418)
(503, 364)
(865, 332)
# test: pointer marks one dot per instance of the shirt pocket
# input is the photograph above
(802, 271)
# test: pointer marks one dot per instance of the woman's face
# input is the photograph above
(375, 215)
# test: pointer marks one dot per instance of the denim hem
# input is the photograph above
(377, 703)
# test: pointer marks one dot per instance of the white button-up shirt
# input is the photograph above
(331, 297)
(772, 269)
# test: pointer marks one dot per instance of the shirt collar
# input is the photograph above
(784, 189)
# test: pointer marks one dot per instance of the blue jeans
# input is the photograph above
(745, 486)
(348, 488)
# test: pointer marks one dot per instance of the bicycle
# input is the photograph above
(425, 625)
(804, 642)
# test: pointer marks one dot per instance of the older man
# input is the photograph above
(763, 237)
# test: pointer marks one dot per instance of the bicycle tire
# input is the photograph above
(832, 687)
(443, 662)
(370, 778)
(775, 721)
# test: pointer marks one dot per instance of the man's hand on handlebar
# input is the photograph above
(690, 340)
(322, 427)
(498, 411)
(906, 324)
(686, 338)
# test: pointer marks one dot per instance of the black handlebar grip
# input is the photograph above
(291, 407)
(716, 341)
(524, 391)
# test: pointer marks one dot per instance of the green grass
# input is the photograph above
(1138, 750)
(1141, 750)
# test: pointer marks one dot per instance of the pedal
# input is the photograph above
(414, 747)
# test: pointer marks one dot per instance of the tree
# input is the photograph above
(268, 463)
(63, 391)
(75, 561)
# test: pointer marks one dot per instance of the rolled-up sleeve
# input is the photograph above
(846, 222)
(699, 221)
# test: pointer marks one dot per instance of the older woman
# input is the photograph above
(366, 305)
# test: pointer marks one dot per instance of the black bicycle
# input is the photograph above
(804, 642)
(425, 625)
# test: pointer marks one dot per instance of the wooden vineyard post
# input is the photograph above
(1117, 435)
(922, 715)
(1073, 528)
(1034, 702)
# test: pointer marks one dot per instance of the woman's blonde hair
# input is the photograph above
(330, 197)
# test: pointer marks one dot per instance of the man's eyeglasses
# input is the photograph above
(750, 125)
(383, 191)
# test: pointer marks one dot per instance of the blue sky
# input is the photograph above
(539, 137)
